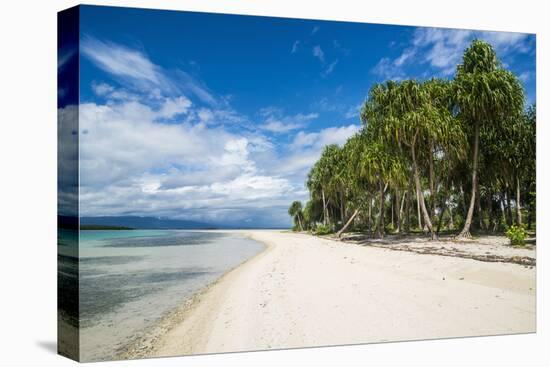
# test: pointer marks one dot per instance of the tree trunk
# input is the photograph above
(464, 205)
(399, 210)
(370, 216)
(432, 181)
(324, 207)
(451, 224)
(490, 216)
(530, 216)
(420, 196)
(392, 209)
(408, 211)
(443, 208)
(510, 220)
(503, 207)
(380, 226)
(339, 234)
(465, 233)
(418, 210)
(300, 222)
(518, 202)
(342, 207)
(479, 212)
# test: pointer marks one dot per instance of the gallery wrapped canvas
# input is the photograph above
(231, 183)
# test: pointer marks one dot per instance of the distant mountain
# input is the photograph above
(145, 223)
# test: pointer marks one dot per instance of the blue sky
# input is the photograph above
(219, 117)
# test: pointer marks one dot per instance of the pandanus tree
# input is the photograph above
(466, 141)
(530, 161)
(510, 147)
(321, 179)
(337, 179)
(295, 211)
(316, 188)
(408, 115)
(377, 166)
(445, 139)
(485, 94)
(521, 155)
(358, 189)
(312, 213)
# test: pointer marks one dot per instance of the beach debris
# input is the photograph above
(453, 252)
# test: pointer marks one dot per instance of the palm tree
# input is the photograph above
(295, 211)
(377, 166)
(357, 188)
(486, 94)
(410, 114)
(320, 180)
(423, 131)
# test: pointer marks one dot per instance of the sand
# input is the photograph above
(305, 291)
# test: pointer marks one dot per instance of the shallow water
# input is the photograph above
(130, 279)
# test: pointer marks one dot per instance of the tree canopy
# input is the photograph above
(460, 151)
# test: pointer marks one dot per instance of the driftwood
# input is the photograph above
(441, 251)
(454, 252)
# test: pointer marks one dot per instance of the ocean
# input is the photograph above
(130, 279)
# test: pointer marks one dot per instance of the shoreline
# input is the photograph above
(270, 301)
(143, 347)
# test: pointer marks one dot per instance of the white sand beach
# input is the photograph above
(305, 291)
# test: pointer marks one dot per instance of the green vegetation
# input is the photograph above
(322, 229)
(517, 235)
(438, 155)
(295, 211)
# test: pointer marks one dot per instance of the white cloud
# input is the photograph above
(252, 187)
(315, 30)
(160, 143)
(295, 46)
(306, 149)
(330, 68)
(331, 135)
(67, 136)
(64, 56)
(122, 61)
(205, 115)
(405, 56)
(111, 93)
(353, 111)
(276, 122)
(276, 126)
(387, 69)
(318, 53)
(442, 50)
(174, 106)
(102, 89)
(506, 41)
(525, 76)
(135, 69)
(189, 84)
(133, 165)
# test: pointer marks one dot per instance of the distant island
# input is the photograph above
(135, 222)
(94, 227)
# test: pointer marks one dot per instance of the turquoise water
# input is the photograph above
(90, 238)
(129, 279)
